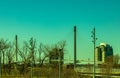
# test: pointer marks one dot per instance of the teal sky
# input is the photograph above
(50, 21)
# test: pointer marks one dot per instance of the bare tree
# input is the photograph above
(49, 52)
(107, 67)
(116, 59)
(43, 53)
(31, 47)
(3, 46)
(61, 44)
(9, 56)
(27, 55)
(56, 54)
(40, 53)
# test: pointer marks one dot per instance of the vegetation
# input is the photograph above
(43, 61)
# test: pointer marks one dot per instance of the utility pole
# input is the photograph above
(0, 64)
(74, 46)
(16, 46)
(31, 70)
(94, 43)
(60, 62)
(32, 66)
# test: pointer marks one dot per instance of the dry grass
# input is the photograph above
(44, 72)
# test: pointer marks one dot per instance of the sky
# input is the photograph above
(50, 21)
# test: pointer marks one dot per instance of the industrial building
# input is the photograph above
(102, 52)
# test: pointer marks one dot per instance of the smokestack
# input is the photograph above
(74, 46)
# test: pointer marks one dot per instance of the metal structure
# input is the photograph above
(94, 43)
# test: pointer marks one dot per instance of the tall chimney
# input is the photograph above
(74, 46)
